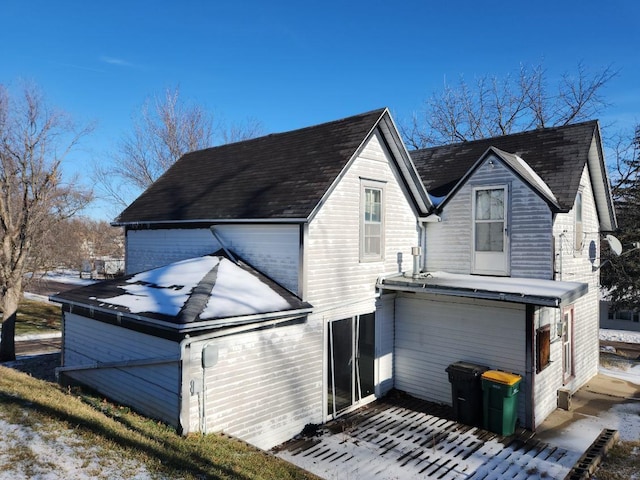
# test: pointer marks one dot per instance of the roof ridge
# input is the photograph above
(509, 135)
(378, 111)
(197, 300)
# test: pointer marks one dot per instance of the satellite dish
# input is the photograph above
(614, 244)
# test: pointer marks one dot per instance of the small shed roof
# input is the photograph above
(190, 296)
(532, 291)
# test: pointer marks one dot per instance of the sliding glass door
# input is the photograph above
(351, 353)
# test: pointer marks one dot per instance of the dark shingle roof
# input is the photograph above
(173, 299)
(558, 155)
(279, 176)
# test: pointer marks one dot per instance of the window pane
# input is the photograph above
(373, 205)
(490, 204)
(372, 235)
(483, 205)
(497, 204)
(490, 237)
(579, 207)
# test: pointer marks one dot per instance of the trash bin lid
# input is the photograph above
(501, 377)
(465, 368)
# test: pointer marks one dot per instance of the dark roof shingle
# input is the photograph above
(278, 176)
(558, 155)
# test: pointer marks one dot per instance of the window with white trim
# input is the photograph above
(371, 221)
(579, 232)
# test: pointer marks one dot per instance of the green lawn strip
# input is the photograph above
(134, 437)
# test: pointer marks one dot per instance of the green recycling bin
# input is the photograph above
(500, 401)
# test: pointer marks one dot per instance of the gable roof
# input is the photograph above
(278, 177)
(558, 155)
(190, 296)
(519, 167)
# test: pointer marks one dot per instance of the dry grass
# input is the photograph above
(37, 317)
(621, 463)
(119, 433)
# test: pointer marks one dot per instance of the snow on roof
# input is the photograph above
(541, 184)
(518, 290)
(166, 290)
(163, 290)
(237, 292)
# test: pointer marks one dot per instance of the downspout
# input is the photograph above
(530, 368)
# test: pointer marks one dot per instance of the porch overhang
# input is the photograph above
(532, 291)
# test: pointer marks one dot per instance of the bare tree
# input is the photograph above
(34, 139)
(165, 129)
(495, 106)
(75, 243)
(237, 132)
(621, 274)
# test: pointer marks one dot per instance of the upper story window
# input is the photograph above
(579, 231)
(371, 221)
(490, 216)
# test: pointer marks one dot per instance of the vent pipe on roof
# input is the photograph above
(415, 251)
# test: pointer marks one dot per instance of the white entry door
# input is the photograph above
(490, 231)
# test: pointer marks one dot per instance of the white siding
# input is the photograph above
(335, 276)
(576, 266)
(449, 243)
(272, 249)
(549, 380)
(433, 332)
(385, 326)
(266, 385)
(152, 390)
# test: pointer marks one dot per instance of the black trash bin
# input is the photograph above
(466, 392)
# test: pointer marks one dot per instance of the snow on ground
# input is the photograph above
(67, 276)
(632, 374)
(50, 455)
(625, 336)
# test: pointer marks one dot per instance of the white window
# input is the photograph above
(490, 230)
(579, 232)
(372, 222)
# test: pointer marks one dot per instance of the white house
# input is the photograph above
(322, 212)
(318, 224)
(510, 277)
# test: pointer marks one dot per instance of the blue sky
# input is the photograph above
(293, 64)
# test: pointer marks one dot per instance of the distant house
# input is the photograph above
(321, 221)
(618, 319)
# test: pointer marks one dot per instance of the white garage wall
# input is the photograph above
(433, 332)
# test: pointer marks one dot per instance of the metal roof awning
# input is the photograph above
(547, 293)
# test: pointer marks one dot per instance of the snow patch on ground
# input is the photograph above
(71, 277)
(632, 374)
(625, 336)
(52, 455)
